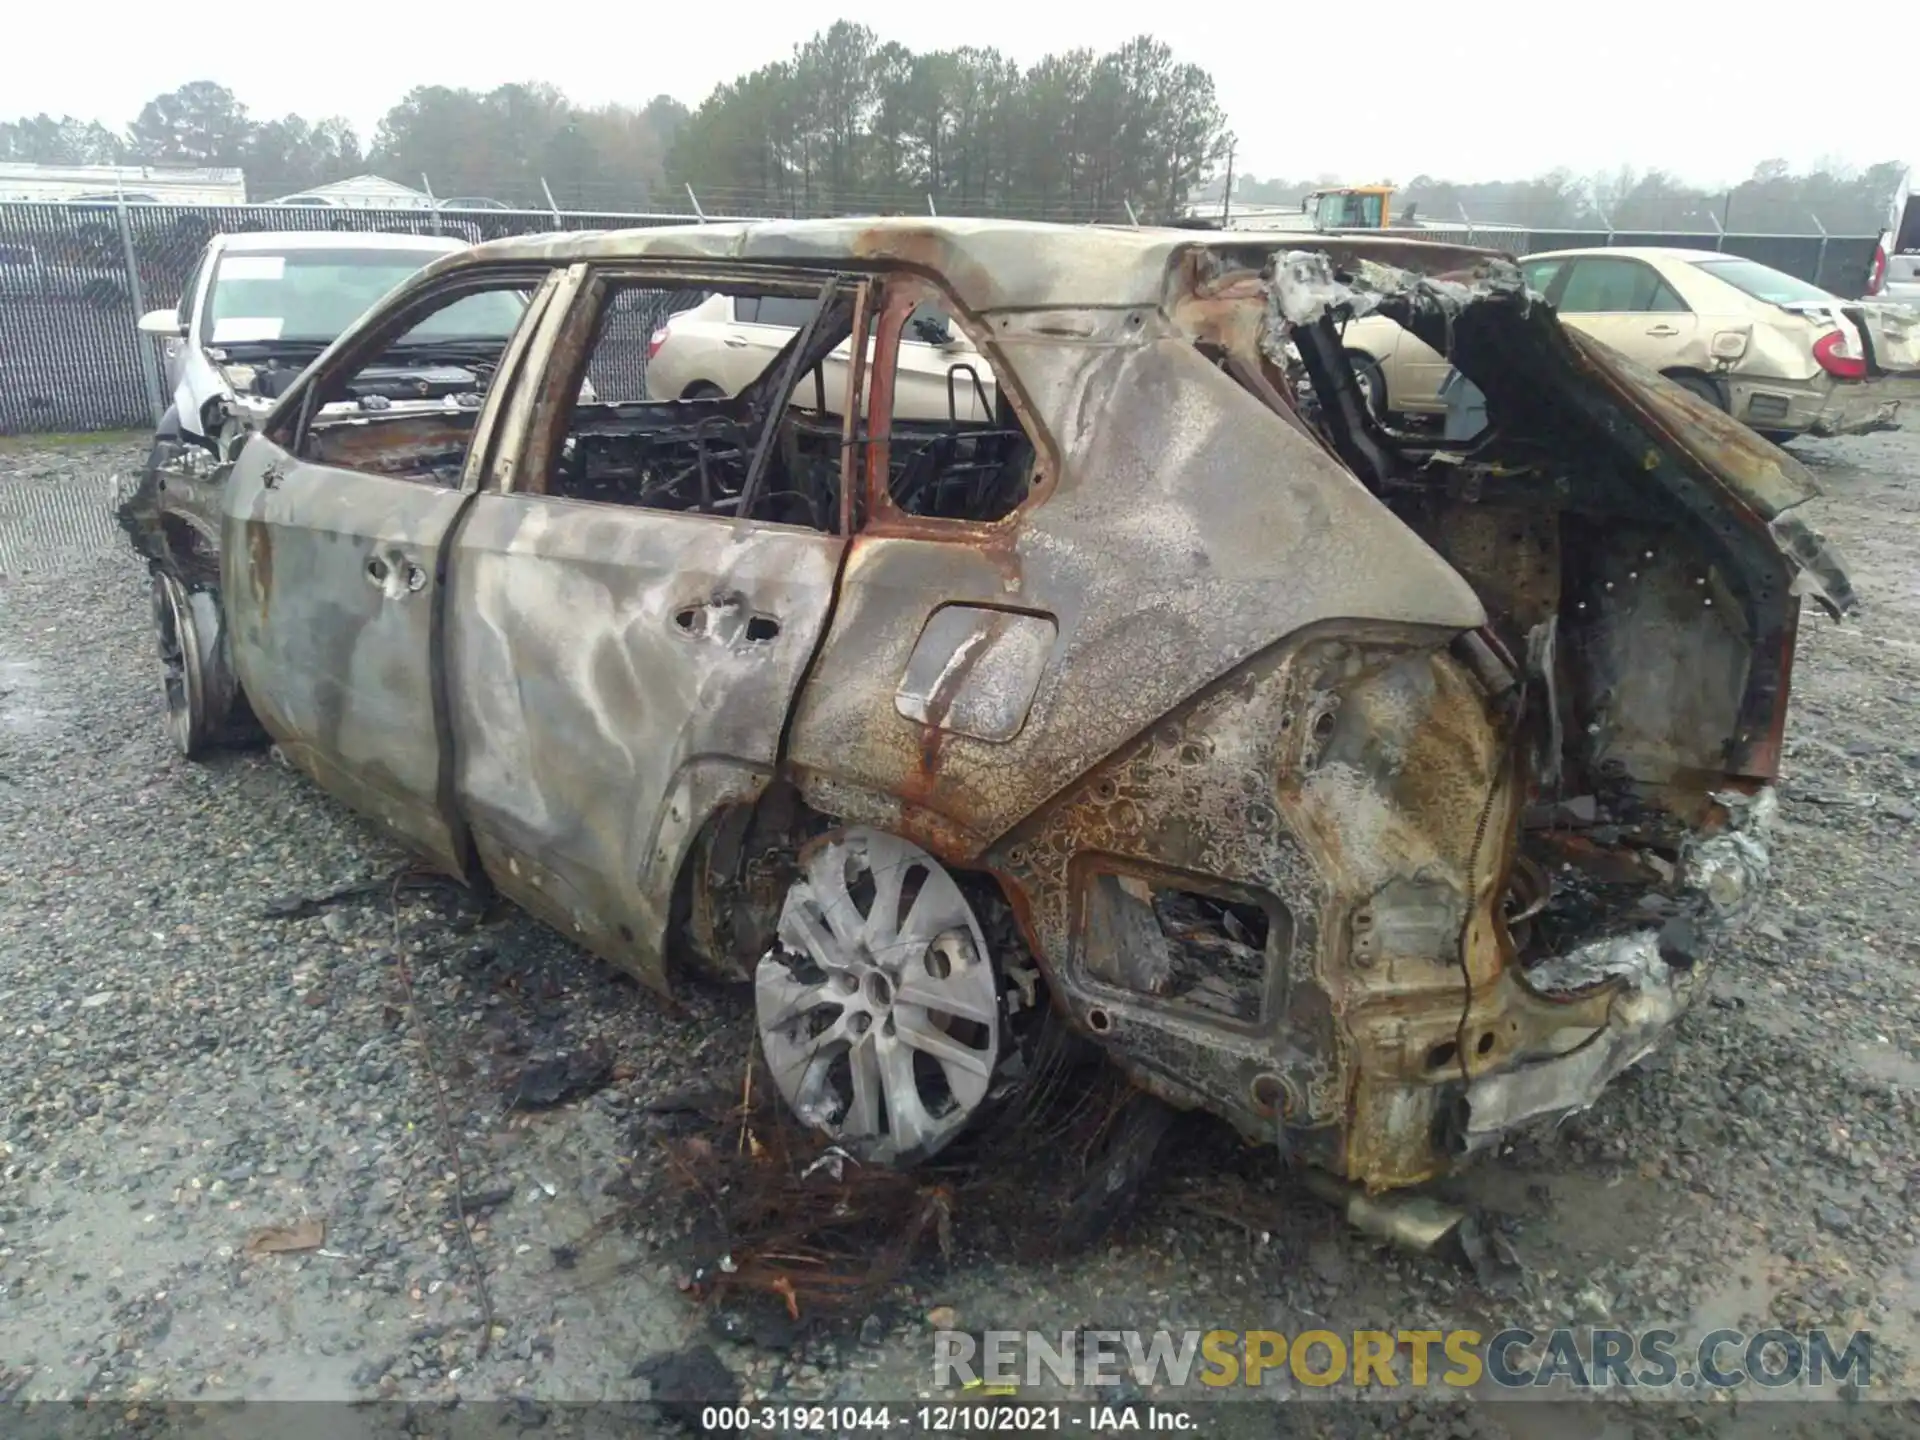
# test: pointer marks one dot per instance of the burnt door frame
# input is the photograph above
(332, 583)
(617, 674)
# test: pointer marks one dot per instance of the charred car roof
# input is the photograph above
(990, 264)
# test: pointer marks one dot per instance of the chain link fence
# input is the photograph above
(55, 524)
(74, 279)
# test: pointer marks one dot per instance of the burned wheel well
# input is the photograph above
(167, 537)
(195, 557)
(731, 886)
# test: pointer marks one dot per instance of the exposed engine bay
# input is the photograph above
(409, 377)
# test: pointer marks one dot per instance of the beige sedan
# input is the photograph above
(1784, 356)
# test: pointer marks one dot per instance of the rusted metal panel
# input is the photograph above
(974, 671)
(1348, 781)
(328, 581)
(615, 675)
(406, 448)
(1179, 540)
(1762, 477)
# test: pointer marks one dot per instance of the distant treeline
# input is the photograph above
(854, 124)
(848, 124)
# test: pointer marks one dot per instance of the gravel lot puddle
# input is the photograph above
(1899, 1291)
(25, 707)
(1742, 1298)
(1883, 1061)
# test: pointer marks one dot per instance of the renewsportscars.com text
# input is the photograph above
(1584, 1358)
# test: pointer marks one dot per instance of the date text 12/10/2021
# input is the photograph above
(952, 1419)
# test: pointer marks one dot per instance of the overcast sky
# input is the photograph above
(1397, 90)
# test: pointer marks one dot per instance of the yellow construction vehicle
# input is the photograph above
(1350, 207)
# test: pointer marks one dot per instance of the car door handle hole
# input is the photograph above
(726, 623)
(395, 574)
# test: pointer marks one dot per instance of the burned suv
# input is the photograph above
(1376, 792)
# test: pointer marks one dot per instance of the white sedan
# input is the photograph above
(1774, 351)
(723, 344)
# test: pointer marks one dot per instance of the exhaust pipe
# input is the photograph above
(1417, 1223)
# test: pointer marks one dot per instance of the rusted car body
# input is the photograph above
(1376, 793)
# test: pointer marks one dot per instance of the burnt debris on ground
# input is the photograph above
(778, 1210)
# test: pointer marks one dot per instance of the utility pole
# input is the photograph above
(1226, 196)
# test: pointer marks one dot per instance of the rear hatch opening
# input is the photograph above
(1641, 559)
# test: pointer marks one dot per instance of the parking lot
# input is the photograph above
(196, 1060)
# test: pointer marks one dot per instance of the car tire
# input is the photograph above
(841, 1081)
(186, 629)
(1372, 381)
(1704, 388)
(703, 390)
(206, 707)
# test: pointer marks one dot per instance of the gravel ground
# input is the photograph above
(194, 1075)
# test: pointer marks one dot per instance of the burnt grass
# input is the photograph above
(230, 1008)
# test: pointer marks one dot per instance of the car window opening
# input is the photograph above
(714, 375)
(409, 412)
(955, 450)
(1907, 240)
(959, 472)
(695, 450)
(1763, 282)
(310, 296)
(1602, 285)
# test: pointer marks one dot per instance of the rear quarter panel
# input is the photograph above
(1190, 528)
